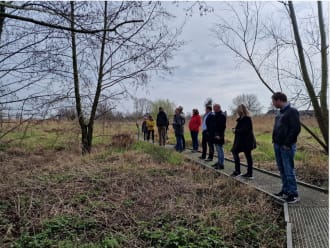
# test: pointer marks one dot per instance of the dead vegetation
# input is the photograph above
(122, 140)
(128, 199)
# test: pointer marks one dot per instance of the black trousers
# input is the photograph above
(207, 142)
(152, 134)
(248, 156)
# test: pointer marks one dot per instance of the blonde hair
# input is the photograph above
(242, 110)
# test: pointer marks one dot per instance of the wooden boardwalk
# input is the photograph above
(307, 221)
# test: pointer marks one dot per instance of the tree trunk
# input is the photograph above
(321, 119)
(324, 65)
(87, 129)
(86, 137)
(2, 19)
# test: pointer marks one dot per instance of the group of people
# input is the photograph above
(213, 124)
(148, 127)
(213, 136)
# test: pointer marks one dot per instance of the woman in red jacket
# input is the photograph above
(194, 124)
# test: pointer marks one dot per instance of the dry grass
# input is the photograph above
(120, 197)
(311, 162)
(122, 140)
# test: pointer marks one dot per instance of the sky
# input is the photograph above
(203, 69)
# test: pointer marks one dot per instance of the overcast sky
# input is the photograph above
(203, 69)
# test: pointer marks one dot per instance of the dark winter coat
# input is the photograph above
(162, 120)
(210, 124)
(219, 127)
(286, 127)
(144, 127)
(178, 124)
(244, 138)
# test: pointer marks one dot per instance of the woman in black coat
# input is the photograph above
(244, 141)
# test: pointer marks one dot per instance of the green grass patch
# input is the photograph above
(181, 236)
(68, 231)
(168, 231)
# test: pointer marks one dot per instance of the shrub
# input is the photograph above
(122, 140)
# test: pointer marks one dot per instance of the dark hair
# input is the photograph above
(279, 96)
(209, 107)
(195, 111)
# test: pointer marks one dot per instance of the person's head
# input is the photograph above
(279, 99)
(160, 109)
(177, 111)
(180, 108)
(150, 117)
(216, 107)
(208, 108)
(242, 110)
(195, 112)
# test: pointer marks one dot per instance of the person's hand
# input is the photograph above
(217, 137)
(287, 148)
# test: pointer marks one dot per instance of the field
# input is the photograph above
(124, 194)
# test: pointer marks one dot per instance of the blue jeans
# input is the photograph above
(221, 155)
(179, 143)
(285, 164)
(194, 138)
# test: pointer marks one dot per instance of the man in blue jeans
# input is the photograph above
(285, 133)
(219, 135)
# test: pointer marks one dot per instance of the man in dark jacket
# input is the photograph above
(178, 126)
(285, 133)
(219, 135)
(208, 133)
(162, 124)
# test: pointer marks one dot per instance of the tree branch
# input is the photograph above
(83, 31)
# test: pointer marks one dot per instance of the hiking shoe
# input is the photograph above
(247, 176)
(221, 167)
(209, 159)
(280, 194)
(235, 174)
(292, 199)
(201, 157)
(216, 165)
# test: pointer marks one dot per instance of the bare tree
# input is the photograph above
(250, 101)
(91, 56)
(318, 99)
(142, 106)
(167, 105)
(120, 59)
(22, 69)
(279, 57)
(66, 113)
